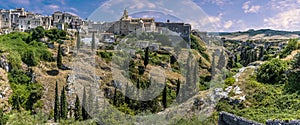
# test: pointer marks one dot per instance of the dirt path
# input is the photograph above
(291, 56)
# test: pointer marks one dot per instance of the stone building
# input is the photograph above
(47, 22)
(60, 18)
(182, 29)
(20, 20)
(29, 21)
(127, 25)
(6, 19)
(10, 18)
(57, 18)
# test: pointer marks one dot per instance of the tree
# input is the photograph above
(222, 61)
(230, 63)
(294, 76)
(138, 87)
(84, 105)
(126, 94)
(273, 72)
(93, 42)
(296, 61)
(261, 53)
(35, 95)
(77, 113)
(37, 33)
(56, 104)
(90, 102)
(164, 98)
(63, 105)
(78, 41)
(3, 118)
(115, 97)
(178, 87)
(213, 66)
(59, 57)
(146, 60)
(195, 78)
(292, 45)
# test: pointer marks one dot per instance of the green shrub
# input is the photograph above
(230, 81)
(273, 72)
(292, 45)
(105, 55)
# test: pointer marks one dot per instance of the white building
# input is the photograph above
(30, 21)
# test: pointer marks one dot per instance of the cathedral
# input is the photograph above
(127, 25)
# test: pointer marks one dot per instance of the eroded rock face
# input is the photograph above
(4, 64)
(65, 50)
(5, 91)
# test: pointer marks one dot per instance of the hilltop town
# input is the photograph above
(21, 20)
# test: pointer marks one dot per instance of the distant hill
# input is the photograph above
(260, 34)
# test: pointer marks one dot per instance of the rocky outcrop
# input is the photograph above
(230, 119)
(4, 64)
(280, 122)
(65, 50)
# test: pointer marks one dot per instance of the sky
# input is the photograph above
(206, 15)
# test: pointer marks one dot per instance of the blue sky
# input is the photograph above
(207, 15)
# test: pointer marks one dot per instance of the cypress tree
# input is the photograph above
(83, 108)
(126, 93)
(77, 113)
(115, 97)
(213, 66)
(78, 41)
(230, 63)
(59, 57)
(56, 105)
(2, 117)
(164, 99)
(195, 77)
(96, 106)
(261, 53)
(222, 61)
(63, 105)
(90, 102)
(93, 42)
(146, 60)
(178, 87)
(138, 88)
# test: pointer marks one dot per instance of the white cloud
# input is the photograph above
(25, 2)
(286, 20)
(250, 8)
(228, 24)
(286, 17)
(217, 2)
(283, 5)
(74, 14)
(54, 7)
(74, 9)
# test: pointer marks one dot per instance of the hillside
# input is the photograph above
(265, 34)
(28, 86)
(264, 76)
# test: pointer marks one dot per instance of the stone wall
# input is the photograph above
(230, 119)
